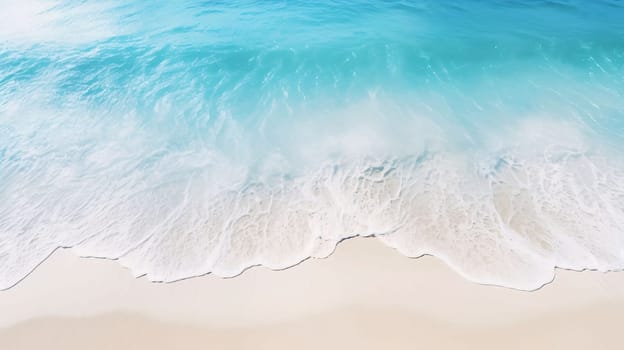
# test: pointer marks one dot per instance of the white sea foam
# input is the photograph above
(27, 22)
(506, 212)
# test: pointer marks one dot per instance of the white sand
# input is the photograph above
(365, 295)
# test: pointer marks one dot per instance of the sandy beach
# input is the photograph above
(363, 296)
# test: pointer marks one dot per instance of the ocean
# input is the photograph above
(193, 137)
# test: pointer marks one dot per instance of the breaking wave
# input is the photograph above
(207, 138)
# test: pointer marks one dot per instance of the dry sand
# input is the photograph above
(365, 296)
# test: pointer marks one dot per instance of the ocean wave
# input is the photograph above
(203, 140)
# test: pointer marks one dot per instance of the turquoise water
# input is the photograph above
(210, 136)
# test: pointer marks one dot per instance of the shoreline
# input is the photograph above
(66, 250)
(375, 292)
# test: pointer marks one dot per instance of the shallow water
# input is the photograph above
(194, 137)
